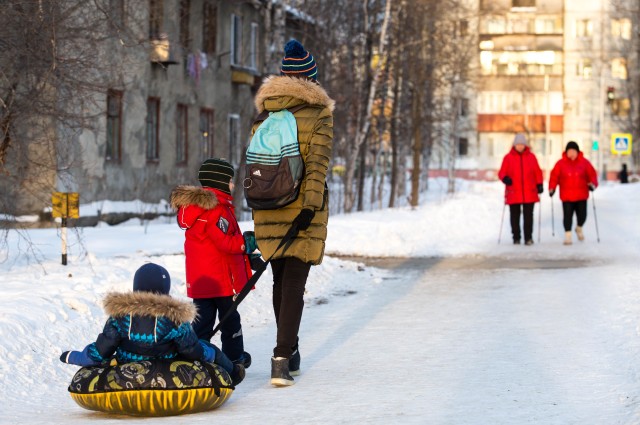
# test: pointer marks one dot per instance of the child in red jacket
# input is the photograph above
(216, 251)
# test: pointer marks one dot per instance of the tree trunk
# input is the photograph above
(363, 131)
(417, 149)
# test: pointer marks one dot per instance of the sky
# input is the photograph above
(451, 328)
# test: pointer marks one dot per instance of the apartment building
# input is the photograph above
(557, 71)
(179, 80)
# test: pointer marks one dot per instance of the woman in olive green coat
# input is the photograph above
(297, 86)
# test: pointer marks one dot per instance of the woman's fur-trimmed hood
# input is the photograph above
(183, 196)
(119, 304)
(305, 90)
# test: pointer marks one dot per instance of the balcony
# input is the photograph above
(161, 51)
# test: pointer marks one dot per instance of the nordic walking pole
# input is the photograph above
(501, 222)
(553, 227)
(539, 219)
(595, 217)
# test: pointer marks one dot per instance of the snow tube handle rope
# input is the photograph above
(286, 242)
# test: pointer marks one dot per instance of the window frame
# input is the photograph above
(182, 134)
(253, 46)
(207, 147)
(156, 19)
(463, 152)
(118, 95)
(233, 134)
(236, 40)
(184, 20)
(152, 147)
(209, 27)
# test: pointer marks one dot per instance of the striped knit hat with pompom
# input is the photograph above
(216, 173)
(297, 62)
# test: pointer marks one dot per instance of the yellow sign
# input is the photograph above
(65, 204)
(621, 143)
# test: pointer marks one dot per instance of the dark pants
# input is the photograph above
(231, 331)
(568, 208)
(289, 279)
(527, 212)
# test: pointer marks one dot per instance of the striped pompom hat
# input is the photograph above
(216, 173)
(297, 62)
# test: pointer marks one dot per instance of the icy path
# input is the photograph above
(449, 345)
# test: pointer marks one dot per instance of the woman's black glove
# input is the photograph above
(507, 181)
(540, 188)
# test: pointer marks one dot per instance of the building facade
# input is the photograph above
(557, 71)
(179, 80)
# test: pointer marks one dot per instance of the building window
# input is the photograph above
(253, 57)
(463, 146)
(184, 19)
(234, 136)
(619, 68)
(114, 125)
(463, 107)
(583, 68)
(206, 133)
(621, 28)
(182, 133)
(153, 128)
(156, 12)
(523, 3)
(209, 27)
(520, 26)
(494, 25)
(545, 25)
(236, 40)
(461, 28)
(491, 147)
(584, 28)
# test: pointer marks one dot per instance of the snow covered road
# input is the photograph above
(475, 333)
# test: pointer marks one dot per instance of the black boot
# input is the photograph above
(244, 360)
(237, 375)
(294, 363)
(280, 376)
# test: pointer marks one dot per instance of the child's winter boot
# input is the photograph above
(280, 376)
(294, 363)
(579, 233)
(567, 238)
(244, 360)
(237, 375)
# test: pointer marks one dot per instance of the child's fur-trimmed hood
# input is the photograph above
(305, 90)
(119, 304)
(183, 196)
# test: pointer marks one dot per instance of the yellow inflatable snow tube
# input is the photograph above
(152, 388)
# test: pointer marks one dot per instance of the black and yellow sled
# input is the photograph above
(152, 388)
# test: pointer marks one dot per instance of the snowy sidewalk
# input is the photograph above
(483, 334)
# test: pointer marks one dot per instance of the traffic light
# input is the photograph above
(611, 94)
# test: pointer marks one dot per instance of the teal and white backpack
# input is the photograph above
(274, 168)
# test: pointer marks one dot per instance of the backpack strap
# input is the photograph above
(264, 114)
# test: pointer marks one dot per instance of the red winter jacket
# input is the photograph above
(216, 263)
(526, 175)
(573, 177)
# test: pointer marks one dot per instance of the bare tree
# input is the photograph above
(55, 67)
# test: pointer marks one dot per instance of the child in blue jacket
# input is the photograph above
(147, 324)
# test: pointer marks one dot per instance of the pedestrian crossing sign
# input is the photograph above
(621, 143)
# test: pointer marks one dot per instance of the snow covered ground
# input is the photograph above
(461, 331)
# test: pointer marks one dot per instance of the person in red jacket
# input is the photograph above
(522, 177)
(216, 251)
(576, 177)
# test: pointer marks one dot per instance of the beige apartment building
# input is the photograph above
(558, 71)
